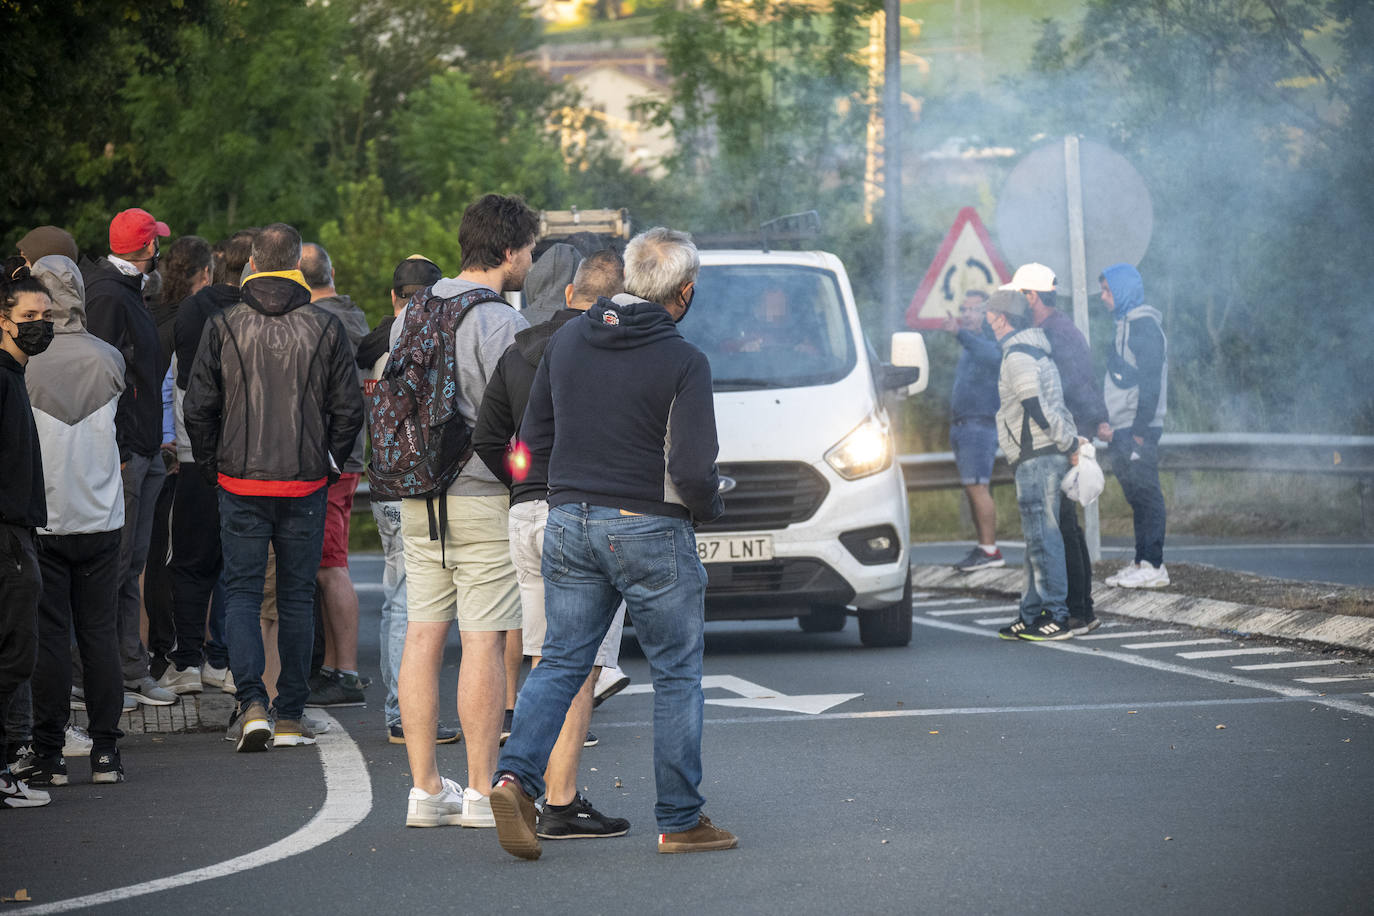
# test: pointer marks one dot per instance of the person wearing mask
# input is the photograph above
(26, 329)
(117, 314)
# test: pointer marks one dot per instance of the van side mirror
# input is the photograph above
(908, 355)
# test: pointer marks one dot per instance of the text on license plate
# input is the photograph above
(739, 549)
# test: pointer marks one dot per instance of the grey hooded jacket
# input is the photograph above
(1025, 376)
(74, 387)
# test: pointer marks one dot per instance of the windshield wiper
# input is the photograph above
(743, 384)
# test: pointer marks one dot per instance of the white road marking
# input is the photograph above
(756, 696)
(991, 621)
(1131, 635)
(975, 610)
(944, 602)
(1226, 653)
(347, 800)
(368, 588)
(1334, 680)
(1271, 666)
(1173, 644)
(1146, 661)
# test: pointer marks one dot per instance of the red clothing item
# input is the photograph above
(241, 487)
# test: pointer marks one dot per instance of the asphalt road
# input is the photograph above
(1124, 773)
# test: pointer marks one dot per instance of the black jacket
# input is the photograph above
(23, 500)
(115, 313)
(635, 414)
(190, 324)
(273, 393)
(503, 407)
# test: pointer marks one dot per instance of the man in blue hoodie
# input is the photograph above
(630, 471)
(1136, 389)
(973, 404)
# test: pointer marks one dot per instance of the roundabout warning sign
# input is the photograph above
(966, 261)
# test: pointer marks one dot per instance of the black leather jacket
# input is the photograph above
(273, 393)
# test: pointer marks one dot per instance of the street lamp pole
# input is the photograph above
(892, 164)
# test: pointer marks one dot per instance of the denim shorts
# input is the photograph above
(975, 449)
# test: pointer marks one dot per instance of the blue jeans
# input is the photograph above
(1136, 467)
(1037, 496)
(294, 526)
(593, 556)
(393, 627)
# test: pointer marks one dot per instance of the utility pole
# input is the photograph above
(892, 164)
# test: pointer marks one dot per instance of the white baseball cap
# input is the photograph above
(1032, 276)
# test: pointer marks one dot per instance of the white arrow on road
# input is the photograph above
(755, 696)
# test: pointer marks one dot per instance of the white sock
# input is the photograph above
(988, 549)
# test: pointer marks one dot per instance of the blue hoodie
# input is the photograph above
(1137, 383)
(632, 402)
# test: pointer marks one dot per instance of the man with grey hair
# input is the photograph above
(337, 683)
(630, 471)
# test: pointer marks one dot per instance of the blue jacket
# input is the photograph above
(975, 376)
(632, 402)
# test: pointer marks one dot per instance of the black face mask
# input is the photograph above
(687, 306)
(33, 337)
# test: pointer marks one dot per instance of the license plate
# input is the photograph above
(735, 549)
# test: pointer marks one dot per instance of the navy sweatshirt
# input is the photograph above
(631, 401)
(975, 376)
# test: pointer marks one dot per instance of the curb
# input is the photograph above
(1167, 607)
(193, 712)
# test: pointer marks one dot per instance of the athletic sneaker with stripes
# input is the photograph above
(1045, 628)
(1013, 630)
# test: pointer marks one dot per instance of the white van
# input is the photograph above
(816, 522)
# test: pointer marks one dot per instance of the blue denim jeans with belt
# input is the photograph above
(1046, 585)
(593, 556)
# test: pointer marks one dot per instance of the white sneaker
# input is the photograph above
(1145, 576)
(146, 691)
(609, 682)
(318, 726)
(476, 809)
(181, 680)
(442, 810)
(222, 678)
(1115, 579)
(15, 793)
(78, 743)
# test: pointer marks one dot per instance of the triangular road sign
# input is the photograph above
(967, 260)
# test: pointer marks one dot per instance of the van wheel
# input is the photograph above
(824, 618)
(887, 626)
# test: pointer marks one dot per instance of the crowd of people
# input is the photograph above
(1025, 383)
(184, 436)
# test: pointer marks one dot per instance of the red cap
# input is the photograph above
(133, 229)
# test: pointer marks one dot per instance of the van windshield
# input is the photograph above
(770, 326)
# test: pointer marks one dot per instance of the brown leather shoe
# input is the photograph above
(704, 837)
(513, 812)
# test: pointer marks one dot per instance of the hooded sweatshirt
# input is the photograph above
(503, 407)
(75, 386)
(546, 281)
(632, 402)
(117, 315)
(1025, 376)
(355, 324)
(273, 394)
(1137, 381)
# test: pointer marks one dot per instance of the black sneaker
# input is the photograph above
(107, 767)
(1046, 628)
(40, 771)
(591, 740)
(978, 558)
(337, 690)
(1078, 626)
(1013, 630)
(396, 734)
(506, 724)
(578, 820)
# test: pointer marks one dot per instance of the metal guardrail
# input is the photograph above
(1351, 456)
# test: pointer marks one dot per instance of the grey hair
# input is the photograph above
(659, 263)
(316, 267)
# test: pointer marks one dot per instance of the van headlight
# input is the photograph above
(867, 450)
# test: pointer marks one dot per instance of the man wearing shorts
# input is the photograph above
(566, 813)
(465, 573)
(972, 425)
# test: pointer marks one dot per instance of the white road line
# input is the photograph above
(1271, 666)
(347, 800)
(1226, 653)
(944, 602)
(1131, 635)
(991, 621)
(1334, 680)
(367, 587)
(1146, 661)
(1173, 644)
(975, 610)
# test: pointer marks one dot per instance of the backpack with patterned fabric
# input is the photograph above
(420, 441)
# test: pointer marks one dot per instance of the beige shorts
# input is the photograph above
(478, 586)
(527, 522)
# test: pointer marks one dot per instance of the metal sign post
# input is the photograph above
(1078, 269)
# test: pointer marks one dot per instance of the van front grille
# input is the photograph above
(769, 495)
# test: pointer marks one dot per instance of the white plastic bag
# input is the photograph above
(1084, 482)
